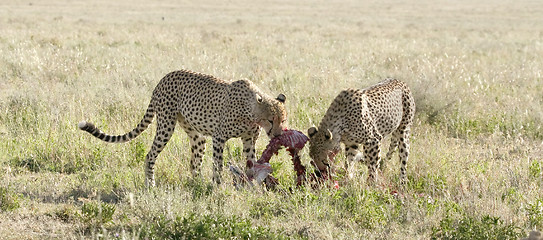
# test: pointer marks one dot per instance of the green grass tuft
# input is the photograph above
(534, 211)
(94, 214)
(213, 226)
(9, 200)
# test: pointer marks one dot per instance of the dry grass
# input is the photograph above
(475, 70)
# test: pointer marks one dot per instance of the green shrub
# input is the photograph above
(205, 227)
(199, 188)
(265, 208)
(138, 150)
(535, 170)
(535, 214)
(367, 208)
(511, 195)
(66, 213)
(427, 203)
(29, 163)
(8, 200)
(471, 228)
(430, 183)
(95, 214)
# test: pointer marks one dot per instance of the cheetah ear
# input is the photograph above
(258, 98)
(312, 131)
(328, 134)
(281, 98)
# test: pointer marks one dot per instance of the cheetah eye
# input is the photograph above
(271, 122)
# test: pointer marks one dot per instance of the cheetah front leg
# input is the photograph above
(197, 147)
(249, 152)
(372, 155)
(218, 149)
(351, 152)
(249, 155)
(165, 129)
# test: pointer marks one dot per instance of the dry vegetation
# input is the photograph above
(475, 69)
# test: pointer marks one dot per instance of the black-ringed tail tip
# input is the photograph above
(90, 128)
(85, 126)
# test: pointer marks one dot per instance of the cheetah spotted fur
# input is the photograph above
(204, 106)
(363, 117)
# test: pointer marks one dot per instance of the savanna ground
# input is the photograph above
(475, 68)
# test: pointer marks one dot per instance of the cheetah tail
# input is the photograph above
(144, 123)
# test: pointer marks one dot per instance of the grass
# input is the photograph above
(475, 68)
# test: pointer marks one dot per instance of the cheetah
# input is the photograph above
(364, 117)
(204, 106)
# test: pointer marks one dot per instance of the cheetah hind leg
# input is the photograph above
(218, 149)
(165, 129)
(394, 141)
(404, 154)
(197, 146)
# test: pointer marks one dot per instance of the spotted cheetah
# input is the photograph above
(365, 116)
(204, 106)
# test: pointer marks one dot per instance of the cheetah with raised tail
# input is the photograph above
(204, 106)
(365, 116)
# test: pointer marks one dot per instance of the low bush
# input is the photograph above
(96, 214)
(9, 200)
(205, 227)
(472, 228)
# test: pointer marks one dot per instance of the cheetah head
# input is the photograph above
(271, 115)
(322, 148)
